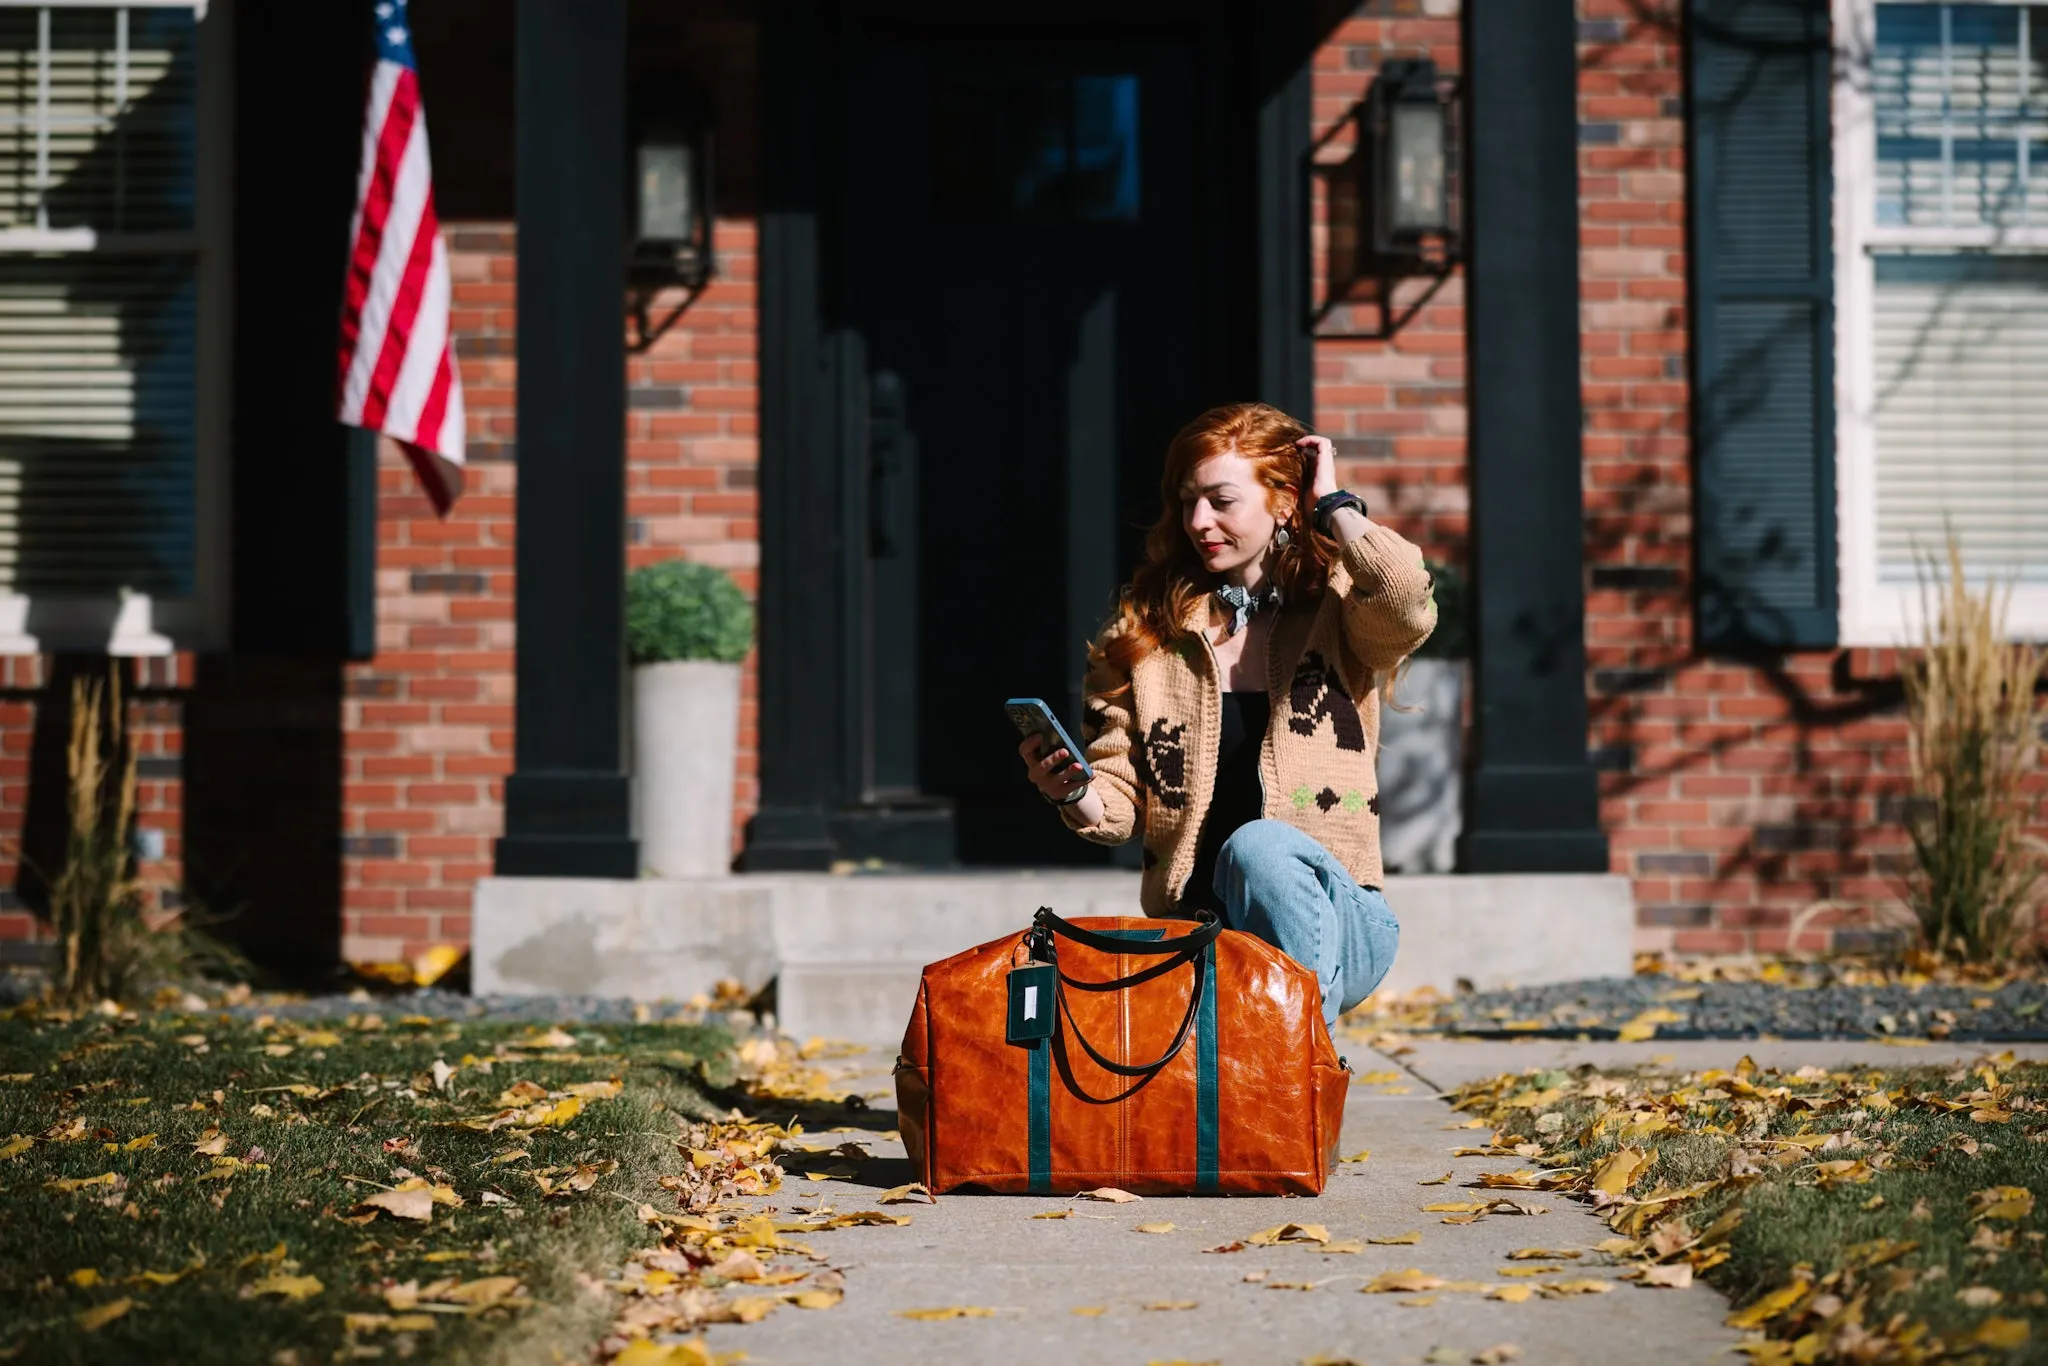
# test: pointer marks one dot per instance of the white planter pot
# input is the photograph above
(1421, 769)
(686, 731)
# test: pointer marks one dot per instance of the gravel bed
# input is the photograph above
(2017, 1011)
(1597, 1008)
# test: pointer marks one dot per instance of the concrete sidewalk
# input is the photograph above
(987, 1251)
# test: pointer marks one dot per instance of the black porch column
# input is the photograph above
(802, 690)
(1533, 802)
(567, 812)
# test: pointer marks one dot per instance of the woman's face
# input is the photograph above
(1224, 512)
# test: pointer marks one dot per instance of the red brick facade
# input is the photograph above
(1735, 795)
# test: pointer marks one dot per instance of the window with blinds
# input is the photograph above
(1942, 260)
(1961, 350)
(100, 269)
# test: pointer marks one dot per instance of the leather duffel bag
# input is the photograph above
(1158, 1056)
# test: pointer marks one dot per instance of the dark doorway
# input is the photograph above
(1019, 284)
(1005, 255)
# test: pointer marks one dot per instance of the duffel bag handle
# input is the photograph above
(1191, 946)
(1180, 1036)
(1208, 927)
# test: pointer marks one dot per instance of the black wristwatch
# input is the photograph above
(1327, 505)
(1072, 797)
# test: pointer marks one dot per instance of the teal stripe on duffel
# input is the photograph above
(1206, 1163)
(1040, 1156)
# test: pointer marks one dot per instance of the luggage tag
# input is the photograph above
(1031, 1002)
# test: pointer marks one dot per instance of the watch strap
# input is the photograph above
(1327, 505)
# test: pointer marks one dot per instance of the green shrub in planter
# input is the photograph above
(1452, 638)
(680, 610)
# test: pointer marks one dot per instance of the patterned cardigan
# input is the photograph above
(1154, 747)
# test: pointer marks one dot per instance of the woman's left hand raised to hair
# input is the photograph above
(1321, 459)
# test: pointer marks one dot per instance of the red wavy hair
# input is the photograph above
(1153, 607)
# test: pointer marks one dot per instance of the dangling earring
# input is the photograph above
(1282, 539)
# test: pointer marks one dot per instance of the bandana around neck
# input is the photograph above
(1240, 602)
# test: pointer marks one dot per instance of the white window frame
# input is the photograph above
(1873, 613)
(133, 623)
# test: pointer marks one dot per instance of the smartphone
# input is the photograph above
(1032, 717)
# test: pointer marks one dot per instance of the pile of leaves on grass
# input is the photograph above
(195, 1187)
(714, 1260)
(1862, 1215)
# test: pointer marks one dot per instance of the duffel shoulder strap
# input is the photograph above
(1208, 927)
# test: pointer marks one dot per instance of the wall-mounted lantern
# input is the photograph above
(1408, 140)
(671, 211)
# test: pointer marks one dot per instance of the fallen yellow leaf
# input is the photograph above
(955, 1311)
(1154, 1228)
(1672, 1276)
(289, 1287)
(898, 1194)
(1980, 1296)
(1089, 1311)
(2002, 1333)
(1361, 1155)
(1110, 1194)
(1584, 1286)
(1618, 1169)
(1534, 1254)
(85, 1276)
(1403, 1282)
(1513, 1294)
(1290, 1233)
(99, 1316)
(15, 1146)
(482, 1293)
(1763, 1310)
(816, 1299)
(1170, 1305)
(648, 1352)
(416, 1204)
(1397, 1239)
(2011, 1203)
(1055, 1214)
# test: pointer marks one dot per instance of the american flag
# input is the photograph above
(397, 365)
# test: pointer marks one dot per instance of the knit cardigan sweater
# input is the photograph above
(1154, 745)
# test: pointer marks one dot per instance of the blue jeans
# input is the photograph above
(1279, 884)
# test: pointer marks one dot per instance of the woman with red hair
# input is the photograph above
(1233, 702)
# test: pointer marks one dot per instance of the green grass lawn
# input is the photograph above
(1859, 1215)
(189, 1188)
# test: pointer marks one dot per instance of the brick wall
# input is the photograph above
(1394, 404)
(429, 720)
(1741, 797)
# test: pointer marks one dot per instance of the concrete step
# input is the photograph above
(845, 951)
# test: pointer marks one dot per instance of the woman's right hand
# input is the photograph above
(1055, 775)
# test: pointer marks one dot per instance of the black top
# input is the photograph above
(1239, 797)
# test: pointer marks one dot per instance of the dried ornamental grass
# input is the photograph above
(1971, 720)
(96, 905)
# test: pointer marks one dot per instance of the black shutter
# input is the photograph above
(1762, 322)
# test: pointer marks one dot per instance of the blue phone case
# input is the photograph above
(1032, 717)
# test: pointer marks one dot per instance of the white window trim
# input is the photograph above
(132, 623)
(1874, 613)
